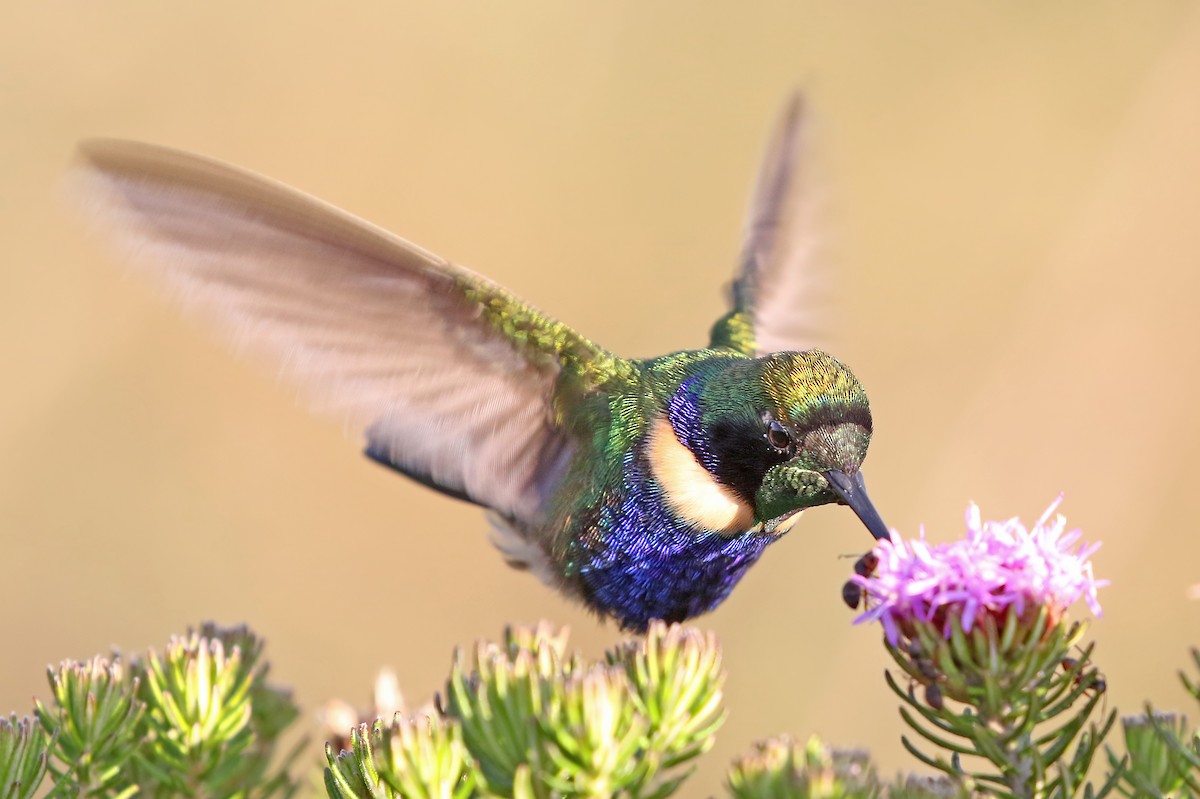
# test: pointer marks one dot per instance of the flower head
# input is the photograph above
(998, 568)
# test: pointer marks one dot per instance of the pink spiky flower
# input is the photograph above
(980, 624)
(998, 569)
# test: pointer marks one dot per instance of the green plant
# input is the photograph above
(994, 682)
(199, 719)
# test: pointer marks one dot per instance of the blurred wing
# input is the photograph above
(454, 378)
(780, 293)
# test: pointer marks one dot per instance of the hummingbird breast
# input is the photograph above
(658, 536)
(640, 527)
(632, 557)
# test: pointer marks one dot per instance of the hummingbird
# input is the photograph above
(644, 488)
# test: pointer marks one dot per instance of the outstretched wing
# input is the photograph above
(454, 379)
(779, 293)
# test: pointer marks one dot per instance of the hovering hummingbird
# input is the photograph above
(644, 488)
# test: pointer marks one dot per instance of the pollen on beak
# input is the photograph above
(853, 492)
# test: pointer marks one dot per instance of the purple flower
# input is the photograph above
(998, 566)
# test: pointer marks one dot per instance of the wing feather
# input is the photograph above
(453, 378)
(780, 294)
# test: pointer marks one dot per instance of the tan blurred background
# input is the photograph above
(1017, 221)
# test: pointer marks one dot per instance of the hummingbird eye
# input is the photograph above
(778, 436)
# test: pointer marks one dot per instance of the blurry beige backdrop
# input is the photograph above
(1017, 228)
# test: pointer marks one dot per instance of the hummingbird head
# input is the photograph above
(789, 431)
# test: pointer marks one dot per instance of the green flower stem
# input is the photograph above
(1005, 693)
(1190, 685)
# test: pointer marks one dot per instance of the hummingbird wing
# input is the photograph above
(455, 380)
(780, 291)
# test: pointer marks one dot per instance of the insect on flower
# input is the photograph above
(852, 592)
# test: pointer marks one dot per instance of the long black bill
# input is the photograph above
(853, 491)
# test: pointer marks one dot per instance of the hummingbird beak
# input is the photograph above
(853, 492)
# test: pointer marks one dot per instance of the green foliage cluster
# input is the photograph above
(23, 747)
(1003, 711)
(527, 719)
(785, 769)
(1162, 751)
(199, 719)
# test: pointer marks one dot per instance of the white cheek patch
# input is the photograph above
(690, 491)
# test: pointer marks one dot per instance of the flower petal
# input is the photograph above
(997, 566)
